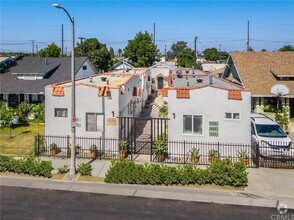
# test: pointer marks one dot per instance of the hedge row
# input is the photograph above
(221, 172)
(30, 165)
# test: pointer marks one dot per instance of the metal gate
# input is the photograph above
(141, 132)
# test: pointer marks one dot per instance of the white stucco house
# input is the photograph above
(100, 99)
(203, 108)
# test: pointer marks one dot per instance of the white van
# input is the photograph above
(273, 142)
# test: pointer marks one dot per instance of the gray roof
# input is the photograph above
(58, 69)
(196, 80)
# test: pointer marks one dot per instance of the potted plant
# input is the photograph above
(53, 149)
(213, 156)
(159, 150)
(123, 149)
(244, 157)
(93, 151)
(195, 155)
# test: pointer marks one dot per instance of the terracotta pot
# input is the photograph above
(194, 159)
(212, 159)
(53, 151)
(159, 158)
(123, 154)
(93, 154)
(245, 161)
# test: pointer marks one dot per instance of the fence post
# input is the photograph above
(184, 151)
(257, 155)
(67, 146)
(38, 144)
(100, 143)
(218, 150)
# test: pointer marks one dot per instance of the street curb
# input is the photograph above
(230, 197)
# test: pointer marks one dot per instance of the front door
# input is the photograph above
(291, 107)
(160, 82)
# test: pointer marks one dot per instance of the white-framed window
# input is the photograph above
(232, 115)
(60, 112)
(193, 124)
(94, 122)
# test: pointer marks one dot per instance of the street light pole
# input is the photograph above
(72, 171)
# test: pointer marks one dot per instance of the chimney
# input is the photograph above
(210, 80)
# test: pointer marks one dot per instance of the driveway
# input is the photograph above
(271, 183)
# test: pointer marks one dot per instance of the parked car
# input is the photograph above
(269, 137)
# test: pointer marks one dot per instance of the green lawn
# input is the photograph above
(21, 140)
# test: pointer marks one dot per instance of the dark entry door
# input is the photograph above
(291, 107)
(160, 82)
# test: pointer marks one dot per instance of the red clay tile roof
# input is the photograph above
(183, 93)
(256, 70)
(163, 92)
(58, 91)
(104, 91)
(136, 91)
(235, 94)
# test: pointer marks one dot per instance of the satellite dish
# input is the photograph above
(280, 89)
(179, 72)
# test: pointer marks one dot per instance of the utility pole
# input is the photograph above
(33, 47)
(248, 40)
(195, 49)
(37, 49)
(62, 40)
(154, 32)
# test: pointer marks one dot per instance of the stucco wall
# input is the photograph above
(212, 104)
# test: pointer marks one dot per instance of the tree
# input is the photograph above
(175, 49)
(119, 52)
(263, 50)
(141, 50)
(96, 52)
(212, 54)
(52, 50)
(111, 51)
(185, 58)
(287, 48)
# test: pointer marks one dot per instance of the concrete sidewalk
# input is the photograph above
(266, 187)
(232, 197)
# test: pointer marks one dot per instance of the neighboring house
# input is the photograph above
(203, 108)
(218, 72)
(159, 71)
(99, 101)
(259, 72)
(123, 65)
(5, 62)
(26, 78)
(210, 67)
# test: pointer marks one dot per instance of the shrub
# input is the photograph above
(84, 169)
(221, 172)
(29, 165)
(63, 169)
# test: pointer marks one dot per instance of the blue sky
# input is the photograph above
(116, 22)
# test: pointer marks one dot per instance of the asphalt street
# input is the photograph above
(26, 203)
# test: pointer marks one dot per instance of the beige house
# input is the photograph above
(260, 72)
